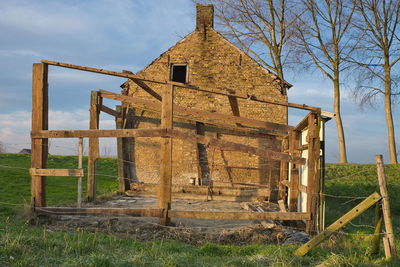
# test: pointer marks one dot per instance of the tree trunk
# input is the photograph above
(389, 117)
(338, 119)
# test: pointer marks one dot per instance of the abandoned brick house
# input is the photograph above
(204, 58)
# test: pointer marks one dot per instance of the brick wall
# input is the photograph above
(212, 62)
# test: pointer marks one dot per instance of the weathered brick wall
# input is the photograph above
(212, 62)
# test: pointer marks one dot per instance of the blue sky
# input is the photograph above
(127, 35)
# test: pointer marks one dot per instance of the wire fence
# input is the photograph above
(363, 225)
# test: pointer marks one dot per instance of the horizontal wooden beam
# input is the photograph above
(56, 172)
(189, 113)
(231, 146)
(100, 211)
(232, 215)
(154, 132)
(226, 92)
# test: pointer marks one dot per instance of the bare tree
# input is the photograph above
(379, 52)
(260, 27)
(323, 38)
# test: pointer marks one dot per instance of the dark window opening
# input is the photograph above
(179, 73)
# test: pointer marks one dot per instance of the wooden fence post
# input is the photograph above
(386, 208)
(39, 122)
(164, 193)
(95, 102)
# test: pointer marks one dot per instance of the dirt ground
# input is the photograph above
(189, 231)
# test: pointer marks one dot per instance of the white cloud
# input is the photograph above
(15, 131)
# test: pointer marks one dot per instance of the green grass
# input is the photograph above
(22, 244)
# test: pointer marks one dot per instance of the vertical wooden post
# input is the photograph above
(313, 166)
(386, 207)
(164, 193)
(294, 172)
(39, 122)
(80, 154)
(95, 101)
(283, 169)
(124, 153)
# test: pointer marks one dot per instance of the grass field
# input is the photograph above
(22, 244)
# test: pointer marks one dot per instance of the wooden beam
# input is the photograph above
(231, 146)
(109, 111)
(232, 215)
(56, 172)
(100, 211)
(123, 154)
(226, 92)
(294, 142)
(284, 170)
(164, 192)
(147, 88)
(313, 168)
(39, 123)
(189, 113)
(387, 218)
(153, 132)
(94, 149)
(80, 159)
(341, 222)
(154, 106)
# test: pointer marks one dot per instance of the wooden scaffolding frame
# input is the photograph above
(290, 156)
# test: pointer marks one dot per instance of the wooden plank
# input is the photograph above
(341, 222)
(232, 215)
(231, 146)
(39, 122)
(225, 91)
(164, 192)
(196, 114)
(109, 111)
(153, 132)
(56, 172)
(100, 211)
(387, 218)
(94, 149)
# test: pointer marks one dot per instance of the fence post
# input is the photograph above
(95, 101)
(386, 208)
(164, 193)
(39, 122)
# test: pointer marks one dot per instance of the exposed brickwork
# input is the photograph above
(212, 62)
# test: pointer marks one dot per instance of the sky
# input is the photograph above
(127, 35)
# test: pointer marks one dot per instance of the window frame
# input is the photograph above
(171, 72)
